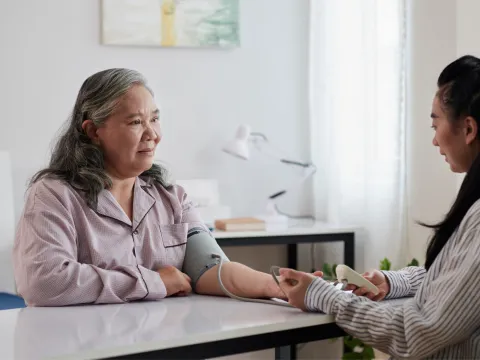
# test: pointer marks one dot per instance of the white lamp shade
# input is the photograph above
(239, 145)
(238, 149)
(7, 225)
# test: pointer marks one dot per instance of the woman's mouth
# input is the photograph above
(147, 152)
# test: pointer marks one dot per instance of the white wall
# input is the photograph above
(431, 186)
(7, 225)
(49, 48)
(467, 34)
(467, 29)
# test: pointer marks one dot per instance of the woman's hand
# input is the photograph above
(378, 279)
(295, 284)
(276, 291)
(175, 281)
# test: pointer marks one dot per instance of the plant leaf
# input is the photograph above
(385, 264)
(327, 271)
(352, 342)
(414, 262)
(368, 353)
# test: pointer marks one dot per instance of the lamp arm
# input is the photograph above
(310, 169)
(256, 136)
(297, 163)
(261, 135)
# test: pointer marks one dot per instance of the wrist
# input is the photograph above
(272, 289)
(156, 288)
(322, 296)
(397, 284)
(387, 281)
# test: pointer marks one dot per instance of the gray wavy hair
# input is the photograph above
(75, 159)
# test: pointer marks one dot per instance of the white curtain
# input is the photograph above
(357, 84)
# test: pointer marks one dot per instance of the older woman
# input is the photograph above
(101, 224)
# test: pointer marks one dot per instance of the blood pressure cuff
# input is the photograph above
(201, 245)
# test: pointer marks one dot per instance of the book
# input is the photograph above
(240, 224)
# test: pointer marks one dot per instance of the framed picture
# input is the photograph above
(170, 23)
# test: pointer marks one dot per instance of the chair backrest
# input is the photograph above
(9, 301)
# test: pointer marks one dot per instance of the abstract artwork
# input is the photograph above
(171, 23)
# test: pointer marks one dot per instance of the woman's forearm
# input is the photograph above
(404, 282)
(240, 280)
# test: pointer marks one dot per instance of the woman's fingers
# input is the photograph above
(361, 291)
(381, 295)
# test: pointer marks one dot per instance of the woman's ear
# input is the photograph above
(471, 130)
(91, 130)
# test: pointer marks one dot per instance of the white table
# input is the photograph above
(316, 232)
(192, 327)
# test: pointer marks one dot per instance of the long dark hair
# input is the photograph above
(459, 94)
(75, 159)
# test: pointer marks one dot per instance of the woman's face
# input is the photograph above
(131, 134)
(456, 142)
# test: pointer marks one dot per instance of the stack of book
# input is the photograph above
(240, 224)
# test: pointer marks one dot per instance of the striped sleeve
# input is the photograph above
(404, 282)
(449, 314)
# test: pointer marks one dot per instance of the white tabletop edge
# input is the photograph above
(314, 319)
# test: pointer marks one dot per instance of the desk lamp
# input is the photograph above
(239, 147)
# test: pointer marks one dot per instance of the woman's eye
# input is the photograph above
(136, 122)
(155, 119)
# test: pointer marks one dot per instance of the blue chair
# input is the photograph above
(9, 301)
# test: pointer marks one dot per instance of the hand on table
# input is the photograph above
(295, 284)
(176, 282)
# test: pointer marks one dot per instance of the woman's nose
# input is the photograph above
(150, 133)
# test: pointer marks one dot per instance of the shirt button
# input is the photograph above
(135, 232)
